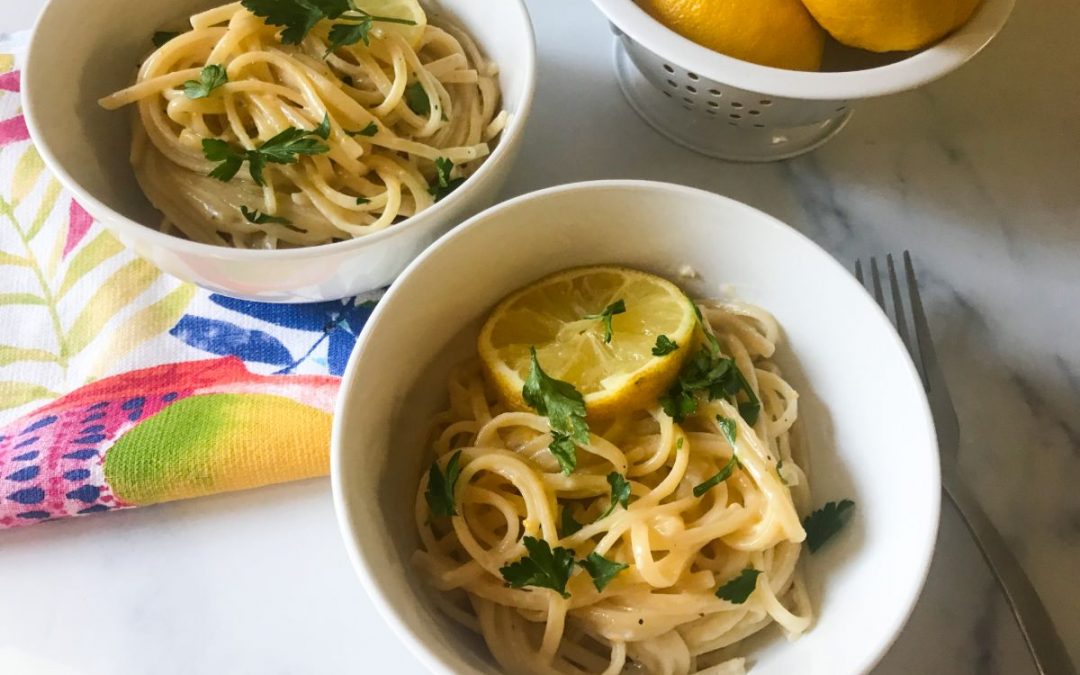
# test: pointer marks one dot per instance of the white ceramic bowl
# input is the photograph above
(81, 51)
(867, 424)
(733, 109)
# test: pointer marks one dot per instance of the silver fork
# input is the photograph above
(1045, 645)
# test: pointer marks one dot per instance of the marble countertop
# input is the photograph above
(978, 175)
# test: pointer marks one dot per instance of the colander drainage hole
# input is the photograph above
(693, 76)
(735, 116)
(691, 89)
(754, 112)
(688, 99)
(765, 102)
(669, 68)
(759, 125)
(713, 104)
(667, 93)
(736, 104)
(716, 92)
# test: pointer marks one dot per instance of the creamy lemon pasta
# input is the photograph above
(281, 123)
(676, 534)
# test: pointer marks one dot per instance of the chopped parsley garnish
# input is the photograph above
(822, 524)
(601, 569)
(664, 346)
(323, 130)
(360, 201)
(542, 567)
(284, 148)
(444, 184)
(370, 130)
(738, 590)
(417, 99)
(728, 427)
(620, 493)
(162, 36)
(258, 218)
(565, 451)
(210, 78)
(721, 476)
(708, 372)
(567, 524)
(440, 489)
(617, 307)
(564, 406)
(298, 17)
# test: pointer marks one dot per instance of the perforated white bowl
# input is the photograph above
(733, 109)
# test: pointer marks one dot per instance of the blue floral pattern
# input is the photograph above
(335, 324)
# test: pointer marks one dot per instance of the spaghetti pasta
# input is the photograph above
(392, 110)
(661, 614)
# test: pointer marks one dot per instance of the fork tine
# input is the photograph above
(927, 357)
(900, 320)
(858, 271)
(876, 276)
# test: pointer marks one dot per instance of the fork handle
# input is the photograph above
(1043, 641)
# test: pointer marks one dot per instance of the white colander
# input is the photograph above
(732, 109)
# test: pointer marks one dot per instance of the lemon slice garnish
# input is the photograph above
(551, 315)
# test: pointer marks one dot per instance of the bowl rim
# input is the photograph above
(914, 71)
(127, 226)
(349, 390)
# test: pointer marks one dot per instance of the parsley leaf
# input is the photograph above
(721, 476)
(709, 372)
(360, 201)
(562, 446)
(287, 145)
(780, 472)
(296, 16)
(728, 427)
(542, 567)
(749, 409)
(738, 590)
(230, 158)
(370, 130)
(258, 218)
(617, 307)
(568, 525)
(162, 36)
(281, 149)
(344, 34)
(601, 569)
(323, 130)
(444, 184)
(564, 406)
(440, 489)
(620, 493)
(211, 77)
(822, 524)
(664, 346)
(417, 99)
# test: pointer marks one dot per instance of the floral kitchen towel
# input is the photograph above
(121, 386)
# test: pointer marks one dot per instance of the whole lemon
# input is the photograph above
(777, 33)
(890, 25)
